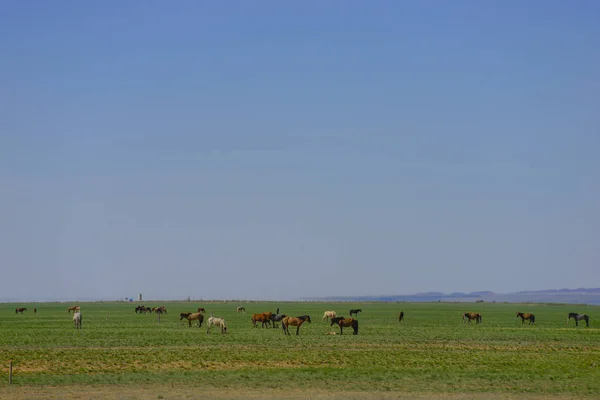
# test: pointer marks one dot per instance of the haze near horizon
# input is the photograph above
(283, 151)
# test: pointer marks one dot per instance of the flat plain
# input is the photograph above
(431, 354)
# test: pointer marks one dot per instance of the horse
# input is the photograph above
(197, 316)
(524, 316)
(77, 319)
(35, 310)
(355, 311)
(297, 322)
(471, 315)
(73, 308)
(241, 309)
(329, 314)
(264, 317)
(578, 317)
(401, 316)
(277, 318)
(344, 323)
(220, 322)
(20, 310)
(201, 309)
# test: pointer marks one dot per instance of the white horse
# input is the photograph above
(329, 314)
(219, 322)
(77, 319)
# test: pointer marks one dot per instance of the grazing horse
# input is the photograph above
(525, 316)
(20, 310)
(344, 323)
(329, 314)
(276, 318)
(355, 311)
(471, 315)
(201, 309)
(264, 317)
(297, 322)
(241, 309)
(77, 319)
(142, 309)
(578, 317)
(73, 308)
(401, 316)
(197, 316)
(219, 322)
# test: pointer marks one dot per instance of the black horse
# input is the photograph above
(579, 317)
(277, 318)
(355, 311)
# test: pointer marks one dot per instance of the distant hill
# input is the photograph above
(574, 296)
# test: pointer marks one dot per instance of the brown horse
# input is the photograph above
(471, 315)
(197, 316)
(401, 316)
(524, 316)
(20, 310)
(264, 317)
(74, 309)
(297, 322)
(345, 323)
(201, 309)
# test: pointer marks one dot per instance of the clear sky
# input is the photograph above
(270, 150)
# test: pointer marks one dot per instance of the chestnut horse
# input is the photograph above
(524, 316)
(73, 308)
(345, 323)
(20, 310)
(264, 317)
(471, 315)
(201, 309)
(197, 316)
(297, 322)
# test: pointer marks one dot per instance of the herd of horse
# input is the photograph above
(269, 319)
(145, 310)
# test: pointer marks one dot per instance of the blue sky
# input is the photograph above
(266, 150)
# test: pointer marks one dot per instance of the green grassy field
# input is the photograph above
(431, 352)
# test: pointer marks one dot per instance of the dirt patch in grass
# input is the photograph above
(175, 391)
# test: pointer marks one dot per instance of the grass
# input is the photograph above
(431, 352)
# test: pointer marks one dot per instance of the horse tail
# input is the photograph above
(532, 318)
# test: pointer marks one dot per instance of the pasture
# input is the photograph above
(432, 352)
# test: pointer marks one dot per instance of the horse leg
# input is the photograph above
(341, 330)
(298, 330)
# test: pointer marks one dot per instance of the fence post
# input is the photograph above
(10, 372)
